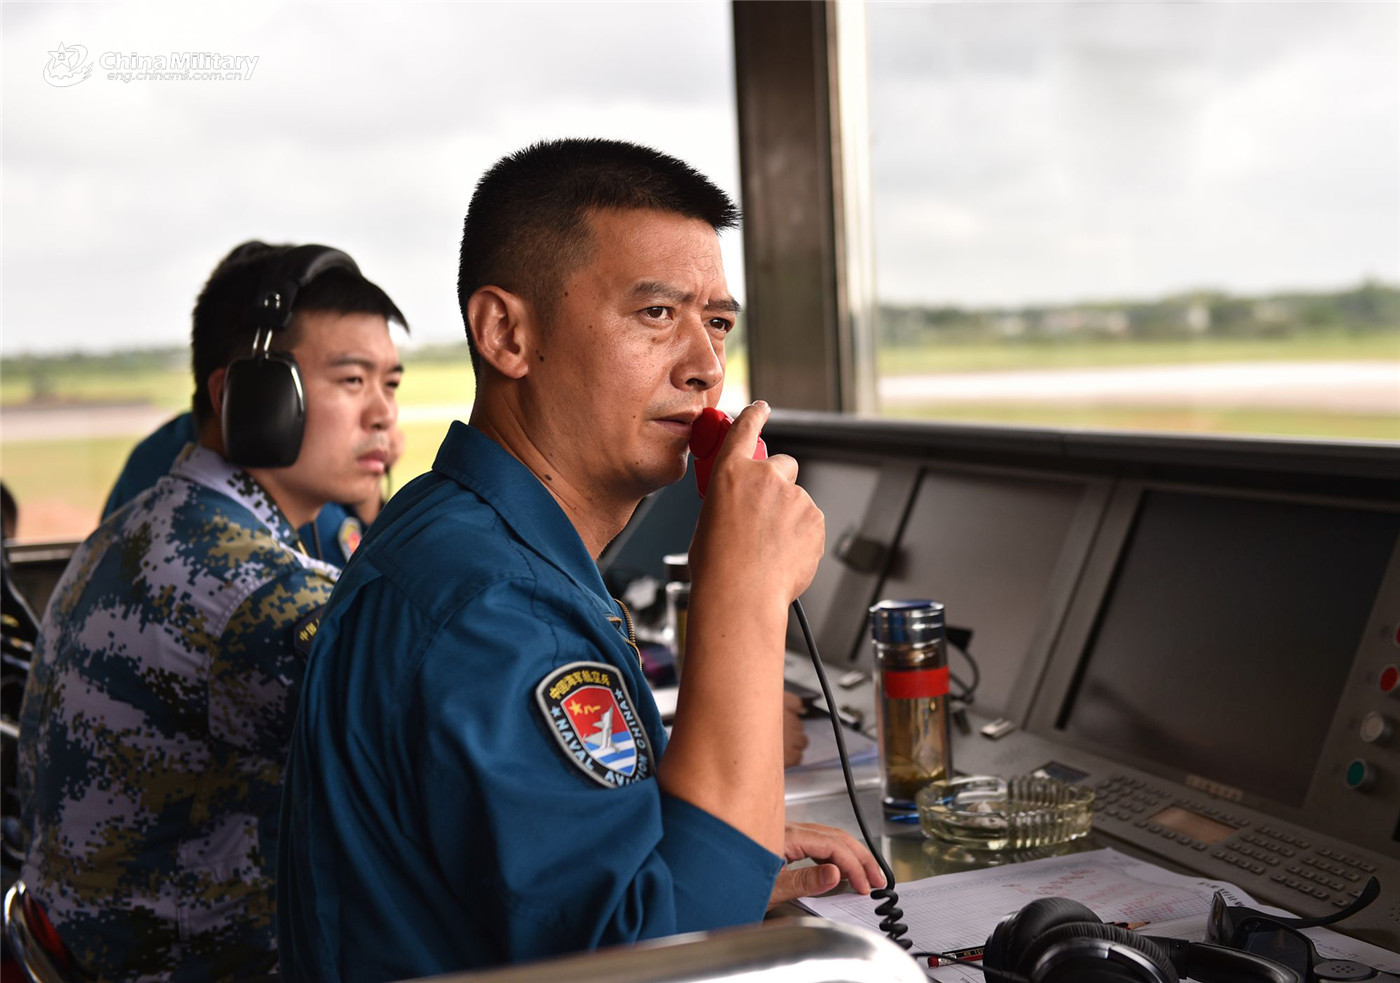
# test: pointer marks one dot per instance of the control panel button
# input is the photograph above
(1389, 680)
(1376, 728)
(1360, 776)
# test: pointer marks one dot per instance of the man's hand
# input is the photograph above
(841, 855)
(759, 532)
(755, 548)
(794, 737)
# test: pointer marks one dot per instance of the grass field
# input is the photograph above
(1105, 353)
(1257, 423)
(61, 483)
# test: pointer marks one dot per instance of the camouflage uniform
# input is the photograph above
(155, 725)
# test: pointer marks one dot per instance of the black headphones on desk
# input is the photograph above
(264, 407)
(1056, 940)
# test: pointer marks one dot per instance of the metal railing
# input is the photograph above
(789, 950)
(22, 944)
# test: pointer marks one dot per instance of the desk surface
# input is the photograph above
(913, 856)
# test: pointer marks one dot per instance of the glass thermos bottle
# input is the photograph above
(911, 670)
(677, 604)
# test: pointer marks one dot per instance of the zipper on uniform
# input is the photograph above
(631, 630)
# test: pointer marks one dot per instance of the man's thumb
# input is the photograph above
(803, 882)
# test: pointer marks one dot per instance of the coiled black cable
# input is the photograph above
(889, 910)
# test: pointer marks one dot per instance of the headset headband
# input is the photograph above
(278, 291)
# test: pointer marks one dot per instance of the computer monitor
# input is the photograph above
(1226, 635)
(1001, 551)
(843, 490)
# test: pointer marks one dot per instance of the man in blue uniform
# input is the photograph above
(158, 709)
(478, 773)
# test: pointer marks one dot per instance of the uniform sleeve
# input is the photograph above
(510, 815)
(256, 671)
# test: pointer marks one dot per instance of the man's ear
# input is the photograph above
(504, 329)
(211, 431)
(216, 392)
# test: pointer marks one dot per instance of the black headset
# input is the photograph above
(1056, 940)
(264, 406)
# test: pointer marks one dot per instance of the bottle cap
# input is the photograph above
(906, 622)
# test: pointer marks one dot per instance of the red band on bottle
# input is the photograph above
(913, 684)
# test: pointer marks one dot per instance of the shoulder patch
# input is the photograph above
(351, 531)
(590, 713)
(304, 631)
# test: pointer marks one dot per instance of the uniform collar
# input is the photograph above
(205, 467)
(478, 463)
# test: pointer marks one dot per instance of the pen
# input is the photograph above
(955, 956)
(974, 953)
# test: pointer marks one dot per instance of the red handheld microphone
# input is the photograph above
(706, 434)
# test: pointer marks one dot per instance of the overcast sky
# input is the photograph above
(1062, 151)
(364, 126)
(1021, 152)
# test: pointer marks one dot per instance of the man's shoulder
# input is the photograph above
(184, 545)
(435, 529)
(200, 521)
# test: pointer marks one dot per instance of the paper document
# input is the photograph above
(820, 771)
(959, 911)
(820, 751)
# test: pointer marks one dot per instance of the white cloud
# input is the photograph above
(1021, 152)
(1133, 149)
(363, 125)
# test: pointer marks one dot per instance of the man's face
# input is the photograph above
(350, 371)
(633, 351)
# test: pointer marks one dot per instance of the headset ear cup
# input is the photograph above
(263, 415)
(1070, 954)
(1016, 931)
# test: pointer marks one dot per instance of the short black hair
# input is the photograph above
(225, 315)
(9, 512)
(526, 228)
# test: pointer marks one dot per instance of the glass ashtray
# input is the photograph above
(984, 812)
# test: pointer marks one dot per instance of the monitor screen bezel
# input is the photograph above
(1094, 591)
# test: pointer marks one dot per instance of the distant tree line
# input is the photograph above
(1372, 306)
(43, 374)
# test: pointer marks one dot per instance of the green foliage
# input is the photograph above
(159, 376)
(1094, 352)
(1307, 424)
(61, 482)
(1372, 308)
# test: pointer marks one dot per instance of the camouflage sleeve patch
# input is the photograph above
(304, 631)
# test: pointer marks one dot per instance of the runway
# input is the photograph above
(1371, 388)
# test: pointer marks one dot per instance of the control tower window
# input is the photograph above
(1153, 217)
(142, 144)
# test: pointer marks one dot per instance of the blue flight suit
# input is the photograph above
(440, 811)
(331, 537)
